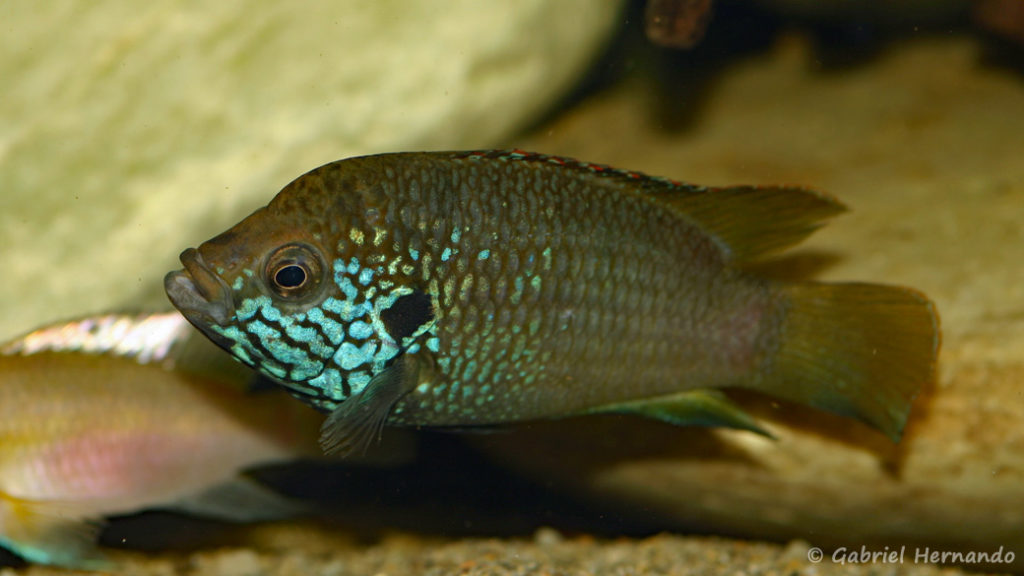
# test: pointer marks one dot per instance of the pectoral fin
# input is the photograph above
(51, 532)
(358, 421)
(707, 408)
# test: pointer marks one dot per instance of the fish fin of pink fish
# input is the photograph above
(240, 499)
(858, 350)
(358, 421)
(749, 222)
(51, 532)
(708, 408)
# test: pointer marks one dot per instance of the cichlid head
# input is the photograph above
(309, 290)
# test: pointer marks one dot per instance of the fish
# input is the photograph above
(488, 287)
(112, 414)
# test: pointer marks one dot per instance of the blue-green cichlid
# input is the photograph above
(484, 287)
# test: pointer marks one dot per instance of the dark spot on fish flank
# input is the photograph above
(407, 315)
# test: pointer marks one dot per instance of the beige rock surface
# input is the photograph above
(925, 146)
(129, 131)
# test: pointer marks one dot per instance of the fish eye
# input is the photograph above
(290, 276)
(293, 271)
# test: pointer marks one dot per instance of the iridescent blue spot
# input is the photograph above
(414, 253)
(247, 309)
(365, 276)
(358, 381)
(484, 255)
(284, 353)
(304, 334)
(348, 289)
(456, 235)
(353, 266)
(433, 344)
(350, 356)
(345, 308)
(446, 254)
(269, 310)
(240, 346)
(360, 330)
(237, 284)
(485, 371)
(261, 330)
(306, 371)
(329, 383)
(334, 331)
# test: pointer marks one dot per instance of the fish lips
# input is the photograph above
(200, 294)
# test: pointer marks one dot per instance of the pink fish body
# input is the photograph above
(89, 430)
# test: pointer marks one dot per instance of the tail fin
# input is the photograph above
(859, 350)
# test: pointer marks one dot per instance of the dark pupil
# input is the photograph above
(291, 276)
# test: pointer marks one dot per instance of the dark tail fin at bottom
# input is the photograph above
(858, 350)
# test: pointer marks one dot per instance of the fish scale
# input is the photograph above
(483, 287)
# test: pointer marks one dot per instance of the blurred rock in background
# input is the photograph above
(130, 131)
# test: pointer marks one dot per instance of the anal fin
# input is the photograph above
(707, 408)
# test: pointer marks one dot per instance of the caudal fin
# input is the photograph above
(859, 350)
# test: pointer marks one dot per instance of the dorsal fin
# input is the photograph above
(746, 221)
(751, 221)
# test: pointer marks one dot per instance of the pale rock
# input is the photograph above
(129, 131)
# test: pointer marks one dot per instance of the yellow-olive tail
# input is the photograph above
(859, 350)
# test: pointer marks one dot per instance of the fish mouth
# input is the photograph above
(202, 296)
